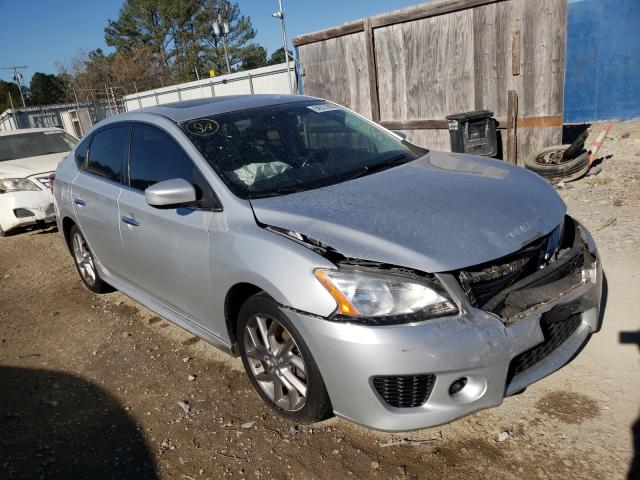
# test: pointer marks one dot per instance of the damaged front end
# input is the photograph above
(537, 275)
(516, 320)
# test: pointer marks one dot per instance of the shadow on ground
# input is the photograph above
(56, 425)
(634, 471)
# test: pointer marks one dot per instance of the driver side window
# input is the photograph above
(156, 157)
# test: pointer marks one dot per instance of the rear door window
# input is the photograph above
(107, 153)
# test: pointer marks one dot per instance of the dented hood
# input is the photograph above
(442, 212)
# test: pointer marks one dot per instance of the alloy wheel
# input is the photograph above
(84, 259)
(276, 362)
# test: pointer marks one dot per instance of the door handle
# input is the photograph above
(130, 221)
(79, 201)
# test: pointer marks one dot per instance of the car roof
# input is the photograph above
(204, 107)
(29, 130)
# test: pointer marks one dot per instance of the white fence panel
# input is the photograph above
(271, 79)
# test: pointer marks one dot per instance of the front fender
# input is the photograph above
(280, 267)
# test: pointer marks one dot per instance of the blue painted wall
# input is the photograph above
(602, 75)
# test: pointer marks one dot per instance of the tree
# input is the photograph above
(278, 56)
(6, 89)
(89, 74)
(254, 56)
(46, 89)
(180, 33)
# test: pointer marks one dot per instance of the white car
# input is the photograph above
(27, 158)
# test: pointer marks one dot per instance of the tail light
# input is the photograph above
(52, 179)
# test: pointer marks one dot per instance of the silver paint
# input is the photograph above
(438, 213)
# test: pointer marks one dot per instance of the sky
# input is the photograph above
(40, 34)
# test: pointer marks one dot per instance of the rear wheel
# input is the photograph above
(279, 363)
(85, 263)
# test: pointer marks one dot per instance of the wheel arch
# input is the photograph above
(67, 223)
(235, 298)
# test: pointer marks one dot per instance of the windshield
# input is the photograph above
(297, 146)
(33, 144)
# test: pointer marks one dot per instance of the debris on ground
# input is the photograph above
(184, 405)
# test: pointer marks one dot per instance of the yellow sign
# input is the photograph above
(212, 73)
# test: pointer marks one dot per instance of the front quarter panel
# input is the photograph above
(277, 265)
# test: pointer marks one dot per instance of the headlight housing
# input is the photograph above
(16, 185)
(384, 298)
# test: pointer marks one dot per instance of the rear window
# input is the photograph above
(34, 144)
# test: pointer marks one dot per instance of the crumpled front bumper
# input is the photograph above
(476, 345)
(39, 203)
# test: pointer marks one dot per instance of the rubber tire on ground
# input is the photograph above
(100, 286)
(318, 405)
(565, 171)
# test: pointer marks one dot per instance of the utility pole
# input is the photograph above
(17, 76)
(222, 33)
(280, 14)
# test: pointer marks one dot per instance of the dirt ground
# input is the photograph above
(90, 385)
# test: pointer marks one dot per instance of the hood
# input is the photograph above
(25, 167)
(441, 212)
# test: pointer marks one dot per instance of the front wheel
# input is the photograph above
(279, 363)
(85, 264)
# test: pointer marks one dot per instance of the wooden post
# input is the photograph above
(371, 69)
(512, 122)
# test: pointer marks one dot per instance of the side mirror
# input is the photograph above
(400, 134)
(176, 191)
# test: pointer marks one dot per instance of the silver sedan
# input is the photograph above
(353, 272)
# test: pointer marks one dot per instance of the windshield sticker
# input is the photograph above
(323, 107)
(202, 126)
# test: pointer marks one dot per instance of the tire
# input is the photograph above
(271, 373)
(555, 172)
(85, 264)
(2, 233)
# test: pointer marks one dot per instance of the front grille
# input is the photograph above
(405, 391)
(484, 282)
(555, 334)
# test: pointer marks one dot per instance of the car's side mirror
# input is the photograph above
(176, 191)
(400, 134)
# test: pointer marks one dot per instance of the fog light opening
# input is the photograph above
(458, 385)
(468, 388)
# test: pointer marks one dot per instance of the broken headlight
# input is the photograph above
(16, 185)
(384, 297)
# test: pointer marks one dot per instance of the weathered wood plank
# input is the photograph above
(515, 49)
(426, 10)
(335, 70)
(371, 70)
(431, 139)
(346, 29)
(502, 123)
(512, 139)
(425, 68)
(415, 124)
(391, 64)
